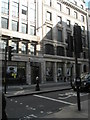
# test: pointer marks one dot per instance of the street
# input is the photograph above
(40, 105)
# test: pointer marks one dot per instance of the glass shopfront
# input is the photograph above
(15, 73)
(59, 71)
(49, 71)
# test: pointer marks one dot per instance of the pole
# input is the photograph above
(77, 73)
(5, 68)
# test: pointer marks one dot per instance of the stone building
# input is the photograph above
(38, 30)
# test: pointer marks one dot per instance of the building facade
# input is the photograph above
(38, 31)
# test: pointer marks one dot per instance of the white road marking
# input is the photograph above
(21, 103)
(15, 101)
(48, 98)
(41, 112)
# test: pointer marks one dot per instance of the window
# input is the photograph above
(49, 16)
(83, 42)
(82, 18)
(24, 48)
(24, 12)
(59, 19)
(5, 7)
(4, 23)
(15, 9)
(49, 49)
(48, 2)
(82, 6)
(68, 11)
(59, 6)
(83, 29)
(68, 23)
(15, 46)
(32, 49)
(32, 30)
(75, 15)
(60, 51)
(75, 2)
(3, 44)
(15, 25)
(32, 13)
(24, 28)
(49, 33)
(59, 39)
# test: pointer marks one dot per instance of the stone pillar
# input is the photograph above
(55, 72)
(20, 46)
(44, 71)
(28, 73)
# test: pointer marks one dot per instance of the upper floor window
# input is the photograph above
(24, 12)
(49, 16)
(82, 18)
(59, 39)
(48, 2)
(15, 25)
(59, 6)
(83, 28)
(49, 49)
(75, 15)
(5, 7)
(32, 48)
(24, 28)
(59, 19)
(32, 30)
(4, 23)
(32, 13)
(82, 6)
(49, 33)
(68, 11)
(15, 9)
(68, 23)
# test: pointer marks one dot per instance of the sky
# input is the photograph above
(87, 2)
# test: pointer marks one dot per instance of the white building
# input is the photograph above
(38, 29)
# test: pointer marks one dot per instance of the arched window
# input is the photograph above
(49, 49)
(60, 51)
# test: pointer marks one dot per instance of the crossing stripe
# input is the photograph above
(56, 100)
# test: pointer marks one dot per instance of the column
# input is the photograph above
(44, 71)
(20, 46)
(55, 72)
(28, 73)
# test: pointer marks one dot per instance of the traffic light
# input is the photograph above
(10, 50)
(78, 38)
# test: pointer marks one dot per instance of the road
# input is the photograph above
(35, 106)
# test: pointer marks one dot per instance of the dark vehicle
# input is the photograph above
(85, 83)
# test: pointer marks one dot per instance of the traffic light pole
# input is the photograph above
(77, 75)
(5, 68)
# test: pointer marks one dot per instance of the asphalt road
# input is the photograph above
(35, 106)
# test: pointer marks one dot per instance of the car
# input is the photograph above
(84, 83)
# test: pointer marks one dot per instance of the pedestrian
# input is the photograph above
(37, 84)
(4, 115)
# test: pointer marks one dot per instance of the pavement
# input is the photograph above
(65, 112)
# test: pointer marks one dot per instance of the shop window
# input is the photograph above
(49, 49)
(15, 46)
(24, 48)
(3, 44)
(49, 71)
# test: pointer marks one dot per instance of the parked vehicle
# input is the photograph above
(85, 83)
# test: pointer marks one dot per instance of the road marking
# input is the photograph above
(48, 98)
